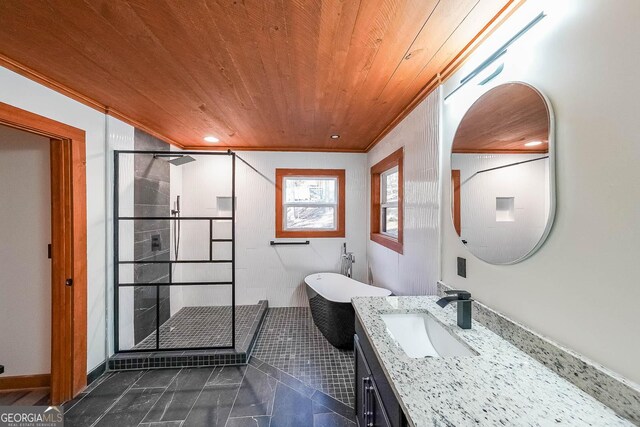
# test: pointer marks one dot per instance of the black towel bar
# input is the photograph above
(274, 243)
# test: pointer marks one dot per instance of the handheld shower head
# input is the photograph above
(176, 211)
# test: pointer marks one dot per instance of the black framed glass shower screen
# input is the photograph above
(168, 296)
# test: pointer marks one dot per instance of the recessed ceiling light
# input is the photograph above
(211, 139)
(335, 136)
(532, 143)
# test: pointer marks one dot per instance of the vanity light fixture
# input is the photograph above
(211, 139)
(492, 75)
(532, 143)
(335, 136)
(497, 54)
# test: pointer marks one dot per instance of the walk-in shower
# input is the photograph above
(174, 256)
(176, 160)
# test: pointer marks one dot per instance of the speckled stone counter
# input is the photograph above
(500, 386)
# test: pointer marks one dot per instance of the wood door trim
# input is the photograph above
(455, 185)
(20, 382)
(340, 231)
(69, 248)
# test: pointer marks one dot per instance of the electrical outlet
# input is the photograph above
(462, 267)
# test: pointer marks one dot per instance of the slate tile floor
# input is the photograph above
(291, 342)
(294, 379)
(233, 396)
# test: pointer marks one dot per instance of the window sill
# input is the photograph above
(388, 242)
(312, 233)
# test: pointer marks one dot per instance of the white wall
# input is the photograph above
(28, 95)
(175, 188)
(415, 272)
(25, 232)
(581, 288)
(264, 271)
(500, 242)
(120, 136)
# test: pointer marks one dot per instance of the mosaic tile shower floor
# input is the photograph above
(202, 327)
(290, 341)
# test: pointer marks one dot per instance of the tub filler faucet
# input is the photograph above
(464, 301)
(348, 259)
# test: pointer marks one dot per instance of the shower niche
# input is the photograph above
(174, 257)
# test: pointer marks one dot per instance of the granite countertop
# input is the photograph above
(500, 386)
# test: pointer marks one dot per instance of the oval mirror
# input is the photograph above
(502, 174)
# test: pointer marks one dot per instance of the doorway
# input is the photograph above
(68, 252)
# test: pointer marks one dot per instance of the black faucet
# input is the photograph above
(464, 301)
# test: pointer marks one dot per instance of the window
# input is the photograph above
(386, 201)
(389, 202)
(310, 203)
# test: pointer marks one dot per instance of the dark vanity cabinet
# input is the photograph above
(376, 404)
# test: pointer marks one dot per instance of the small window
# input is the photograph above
(386, 202)
(389, 202)
(310, 203)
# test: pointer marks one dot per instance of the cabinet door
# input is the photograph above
(362, 378)
(369, 409)
(376, 415)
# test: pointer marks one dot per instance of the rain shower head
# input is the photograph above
(178, 159)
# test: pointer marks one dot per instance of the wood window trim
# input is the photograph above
(69, 249)
(338, 173)
(392, 160)
(455, 186)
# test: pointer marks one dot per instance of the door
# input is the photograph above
(68, 252)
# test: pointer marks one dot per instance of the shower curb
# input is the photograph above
(192, 358)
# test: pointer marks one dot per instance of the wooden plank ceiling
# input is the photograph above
(257, 74)
(503, 120)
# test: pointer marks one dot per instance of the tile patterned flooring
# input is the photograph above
(295, 379)
(291, 342)
(202, 327)
(232, 396)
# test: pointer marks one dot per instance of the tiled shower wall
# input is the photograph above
(415, 272)
(265, 272)
(151, 198)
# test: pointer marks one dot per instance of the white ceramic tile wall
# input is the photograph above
(120, 136)
(175, 183)
(264, 271)
(415, 272)
(28, 95)
(486, 237)
(25, 270)
(581, 288)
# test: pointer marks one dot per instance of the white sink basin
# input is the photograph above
(420, 335)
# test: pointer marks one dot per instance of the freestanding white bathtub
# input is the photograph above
(330, 301)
